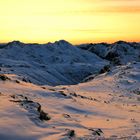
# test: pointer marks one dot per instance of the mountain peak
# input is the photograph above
(63, 42)
(15, 43)
(121, 42)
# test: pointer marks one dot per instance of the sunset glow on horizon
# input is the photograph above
(77, 21)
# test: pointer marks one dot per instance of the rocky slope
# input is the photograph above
(118, 53)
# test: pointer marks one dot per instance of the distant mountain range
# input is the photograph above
(52, 64)
(62, 63)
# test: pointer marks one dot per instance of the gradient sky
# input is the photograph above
(77, 21)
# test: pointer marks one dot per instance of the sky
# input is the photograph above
(77, 21)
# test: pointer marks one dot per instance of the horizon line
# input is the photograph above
(88, 42)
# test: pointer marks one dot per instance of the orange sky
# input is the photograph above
(77, 21)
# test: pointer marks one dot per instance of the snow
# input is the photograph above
(119, 52)
(33, 81)
(56, 63)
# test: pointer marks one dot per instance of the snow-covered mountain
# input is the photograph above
(118, 53)
(52, 64)
(57, 91)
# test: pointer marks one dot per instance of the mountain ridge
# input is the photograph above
(60, 57)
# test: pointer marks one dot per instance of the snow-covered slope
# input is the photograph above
(52, 64)
(107, 107)
(119, 52)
